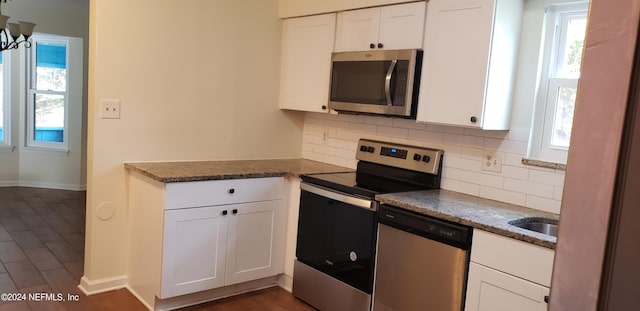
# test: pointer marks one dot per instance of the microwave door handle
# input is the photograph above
(387, 81)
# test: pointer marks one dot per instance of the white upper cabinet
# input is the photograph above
(307, 43)
(390, 27)
(357, 30)
(470, 49)
(402, 26)
(295, 8)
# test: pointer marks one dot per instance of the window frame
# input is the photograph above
(5, 142)
(32, 92)
(557, 17)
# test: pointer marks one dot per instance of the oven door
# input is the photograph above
(336, 235)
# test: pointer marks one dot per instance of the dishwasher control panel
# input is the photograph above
(426, 226)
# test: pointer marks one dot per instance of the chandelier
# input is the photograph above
(10, 33)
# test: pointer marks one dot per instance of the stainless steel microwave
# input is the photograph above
(376, 82)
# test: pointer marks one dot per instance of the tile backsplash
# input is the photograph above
(333, 139)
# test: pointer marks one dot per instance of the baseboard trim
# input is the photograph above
(135, 294)
(13, 183)
(46, 185)
(286, 282)
(89, 287)
(9, 183)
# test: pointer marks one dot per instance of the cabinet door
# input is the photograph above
(402, 26)
(307, 44)
(456, 55)
(391, 27)
(357, 30)
(194, 250)
(256, 241)
(492, 290)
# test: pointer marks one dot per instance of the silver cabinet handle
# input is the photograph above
(387, 81)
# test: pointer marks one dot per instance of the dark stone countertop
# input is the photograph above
(168, 172)
(488, 215)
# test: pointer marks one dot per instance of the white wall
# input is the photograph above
(530, 186)
(196, 81)
(29, 167)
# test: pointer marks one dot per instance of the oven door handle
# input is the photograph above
(338, 196)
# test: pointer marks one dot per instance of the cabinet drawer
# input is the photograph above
(524, 260)
(218, 192)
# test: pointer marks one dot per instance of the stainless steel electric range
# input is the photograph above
(337, 225)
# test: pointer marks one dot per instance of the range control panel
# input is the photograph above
(414, 158)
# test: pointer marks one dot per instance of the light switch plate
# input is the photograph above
(110, 109)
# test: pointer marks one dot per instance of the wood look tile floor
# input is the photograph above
(42, 252)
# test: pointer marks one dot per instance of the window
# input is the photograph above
(48, 93)
(553, 116)
(5, 103)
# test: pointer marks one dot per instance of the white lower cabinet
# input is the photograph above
(190, 241)
(256, 242)
(209, 247)
(194, 252)
(492, 290)
(506, 274)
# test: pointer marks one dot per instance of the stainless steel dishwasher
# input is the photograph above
(421, 262)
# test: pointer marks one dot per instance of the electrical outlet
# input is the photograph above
(110, 109)
(325, 137)
(492, 161)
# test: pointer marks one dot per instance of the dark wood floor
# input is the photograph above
(42, 252)
(270, 299)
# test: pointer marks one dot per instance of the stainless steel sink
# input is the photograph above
(538, 224)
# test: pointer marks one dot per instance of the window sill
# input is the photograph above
(47, 150)
(532, 162)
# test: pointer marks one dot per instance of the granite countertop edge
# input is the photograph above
(479, 213)
(174, 179)
(187, 171)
